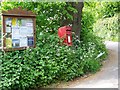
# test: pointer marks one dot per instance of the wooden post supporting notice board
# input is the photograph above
(18, 29)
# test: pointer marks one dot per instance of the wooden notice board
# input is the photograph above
(18, 29)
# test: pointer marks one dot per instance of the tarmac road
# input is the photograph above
(108, 76)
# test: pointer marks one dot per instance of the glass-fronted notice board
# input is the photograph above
(18, 30)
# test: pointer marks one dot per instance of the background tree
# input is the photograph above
(50, 62)
(76, 13)
(77, 17)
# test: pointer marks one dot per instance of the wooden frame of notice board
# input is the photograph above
(18, 29)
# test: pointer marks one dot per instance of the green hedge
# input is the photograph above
(50, 61)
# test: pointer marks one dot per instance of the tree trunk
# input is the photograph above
(77, 17)
(76, 22)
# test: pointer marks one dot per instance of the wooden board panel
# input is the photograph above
(17, 13)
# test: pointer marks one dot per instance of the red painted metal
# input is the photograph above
(65, 34)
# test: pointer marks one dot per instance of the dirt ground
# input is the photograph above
(107, 77)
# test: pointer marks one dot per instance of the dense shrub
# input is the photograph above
(107, 28)
(92, 44)
(109, 9)
(48, 62)
(103, 9)
(51, 61)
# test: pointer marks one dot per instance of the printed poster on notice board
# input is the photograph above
(30, 31)
(23, 42)
(14, 20)
(20, 32)
(15, 43)
(8, 30)
(8, 43)
(23, 30)
(8, 22)
(15, 32)
(30, 41)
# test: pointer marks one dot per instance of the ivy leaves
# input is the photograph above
(50, 61)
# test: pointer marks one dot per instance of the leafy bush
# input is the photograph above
(103, 9)
(107, 28)
(47, 63)
(105, 19)
(109, 9)
(50, 61)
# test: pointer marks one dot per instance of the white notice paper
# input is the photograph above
(23, 22)
(23, 30)
(8, 29)
(30, 30)
(23, 41)
(29, 24)
(8, 23)
(15, 32)
(15, 36)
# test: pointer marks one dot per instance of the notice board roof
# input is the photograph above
(18, 12)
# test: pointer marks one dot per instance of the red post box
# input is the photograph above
(65, 34)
